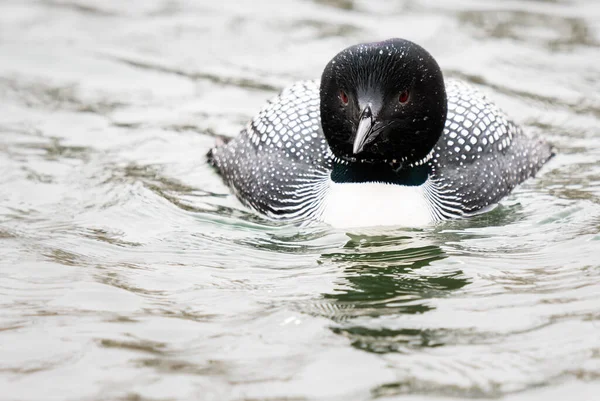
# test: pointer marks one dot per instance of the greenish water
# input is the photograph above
(129, 272)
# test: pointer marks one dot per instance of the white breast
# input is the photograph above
(375, 204)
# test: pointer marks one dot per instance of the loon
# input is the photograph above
(382, 140)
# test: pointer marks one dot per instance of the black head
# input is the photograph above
(383, 101)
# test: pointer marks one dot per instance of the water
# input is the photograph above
(129, 272)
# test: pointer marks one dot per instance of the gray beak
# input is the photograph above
(364, 130)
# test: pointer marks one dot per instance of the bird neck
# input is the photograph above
(357, 172)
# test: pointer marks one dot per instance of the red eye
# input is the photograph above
(404, 97)
(344, 97)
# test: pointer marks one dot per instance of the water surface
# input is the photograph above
(129, 272)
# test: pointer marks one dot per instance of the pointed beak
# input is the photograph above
(364, 130)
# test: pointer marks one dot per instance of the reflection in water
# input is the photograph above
(555, 32)
(387, 276)
(185, 197)
(199, 75)
(343, 4)
(502, 215)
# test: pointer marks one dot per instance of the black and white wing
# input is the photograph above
(480, 157)
(280, 163)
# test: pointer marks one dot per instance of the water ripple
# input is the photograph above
(130, 272)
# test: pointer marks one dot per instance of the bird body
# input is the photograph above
(347, 157)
